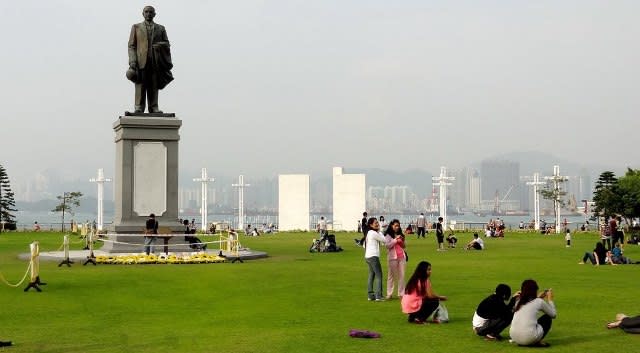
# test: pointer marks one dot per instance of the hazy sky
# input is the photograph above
(268, 87)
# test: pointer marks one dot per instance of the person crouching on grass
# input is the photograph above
(526, 328)
(419, 300)
(493, 315)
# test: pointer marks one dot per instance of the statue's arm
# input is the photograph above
(133, 55)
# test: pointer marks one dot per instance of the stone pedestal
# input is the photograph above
(146, 174)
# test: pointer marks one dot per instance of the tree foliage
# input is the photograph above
(606, 195)
(7, 201)
(68, 201)
(553, 191)
(618, 196)
(629, 191)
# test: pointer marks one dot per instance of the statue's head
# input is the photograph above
(148, 13)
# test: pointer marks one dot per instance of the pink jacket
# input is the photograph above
(395, 247)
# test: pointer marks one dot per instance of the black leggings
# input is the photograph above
(545, 322)
(426, 309)
(493, 327)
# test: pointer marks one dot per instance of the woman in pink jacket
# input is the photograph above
(396, 261)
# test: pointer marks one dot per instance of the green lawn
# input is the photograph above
(295, 301)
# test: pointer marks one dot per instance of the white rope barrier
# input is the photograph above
(173, 244)
(21, 281)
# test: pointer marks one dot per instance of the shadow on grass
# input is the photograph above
(576, 339)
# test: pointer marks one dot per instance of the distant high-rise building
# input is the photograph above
(500, 178)
(474, 190)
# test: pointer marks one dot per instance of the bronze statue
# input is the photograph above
(149, 61)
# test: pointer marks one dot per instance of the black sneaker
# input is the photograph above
(5, 343)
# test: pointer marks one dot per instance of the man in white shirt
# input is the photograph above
(476, 243)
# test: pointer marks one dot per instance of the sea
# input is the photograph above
(53, 221)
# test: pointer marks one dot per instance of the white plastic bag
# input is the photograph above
(441, 314)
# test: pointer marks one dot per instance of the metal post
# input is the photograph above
(204, 179)
(100, 180)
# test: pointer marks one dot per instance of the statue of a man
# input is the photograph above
(149, 61)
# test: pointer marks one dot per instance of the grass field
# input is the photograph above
(295, 301)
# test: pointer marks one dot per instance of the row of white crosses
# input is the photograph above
(204, 180)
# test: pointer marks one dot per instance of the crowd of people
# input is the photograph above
(528, 312)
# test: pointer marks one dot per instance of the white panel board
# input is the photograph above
(293, 202)
(349, 200)
(149, 178)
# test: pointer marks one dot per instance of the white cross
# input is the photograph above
(100, 180)
(536, 199)
(442, 181)
(204, 179)
(557, 179)
(240, 185)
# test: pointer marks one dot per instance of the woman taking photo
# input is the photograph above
(419, 300)
(526, 328)
(372, 256)
(396, 261)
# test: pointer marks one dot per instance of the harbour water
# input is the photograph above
(50, 220)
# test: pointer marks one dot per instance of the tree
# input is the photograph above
(68, 200)
(7, 202)
(628, 189)
(606, 195)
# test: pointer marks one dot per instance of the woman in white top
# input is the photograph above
(526, 328)
(372, 257)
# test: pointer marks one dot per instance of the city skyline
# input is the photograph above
(386, 190)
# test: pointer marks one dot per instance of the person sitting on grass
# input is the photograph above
(451, 240)
(476, 243)
(493, 315)
(617, 258)
(598, 257)
(419, 300)
(626, 323)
